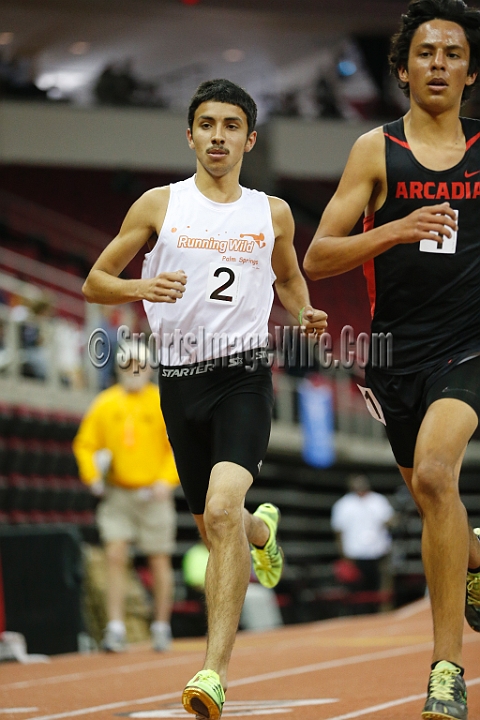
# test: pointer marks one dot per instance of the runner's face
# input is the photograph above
(220, 137)
(438, 65)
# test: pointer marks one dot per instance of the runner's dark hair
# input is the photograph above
(224, 91)
(421, 11)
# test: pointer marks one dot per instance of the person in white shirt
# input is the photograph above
(207, 291)
(360, 520)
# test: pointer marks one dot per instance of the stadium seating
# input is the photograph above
(39, 486)
(38, 473)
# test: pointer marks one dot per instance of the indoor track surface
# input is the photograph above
(373, 666)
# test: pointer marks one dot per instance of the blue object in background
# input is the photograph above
(316, 417)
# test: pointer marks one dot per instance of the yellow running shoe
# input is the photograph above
(204, 695)
(268, 561)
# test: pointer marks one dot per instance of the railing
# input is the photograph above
(63, 290)
(358, 437)
(27, 218)
(44, 383)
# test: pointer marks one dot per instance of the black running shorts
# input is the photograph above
(404, 399)
(216, 412)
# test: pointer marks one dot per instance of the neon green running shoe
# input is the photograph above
(447, 694)
(268, 561)
(472, 602)
(204, 695)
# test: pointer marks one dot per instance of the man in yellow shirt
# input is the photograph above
(137, 503)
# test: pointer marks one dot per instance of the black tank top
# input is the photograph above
(429, 301)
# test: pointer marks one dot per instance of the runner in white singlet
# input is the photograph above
(220, 248)
(228, 262)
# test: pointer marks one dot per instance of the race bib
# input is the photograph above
(223, 283)
(447, 247)
(373, 406)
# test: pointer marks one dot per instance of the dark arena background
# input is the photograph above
(93, 99)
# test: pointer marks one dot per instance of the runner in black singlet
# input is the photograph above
(418, 181)
(429, 300)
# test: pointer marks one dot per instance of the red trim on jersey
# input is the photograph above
(369, 267)
(403, 143)
(472, 141)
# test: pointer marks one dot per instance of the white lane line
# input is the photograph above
(246, 708)
(102, 672)
(377, 708)
(392, 703)
(315, 667)
(330, 664)
(110, 706)
(321, 626)
(137, 667)
(381, 655)
(18, 710)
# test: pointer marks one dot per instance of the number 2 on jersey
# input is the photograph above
(222, 283)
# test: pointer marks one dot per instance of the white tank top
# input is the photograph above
(225, 250)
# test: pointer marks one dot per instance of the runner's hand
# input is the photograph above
(314, 321)
(431, 222)
(166, 287)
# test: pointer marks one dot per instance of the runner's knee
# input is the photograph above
(434, 481)
(221, 516)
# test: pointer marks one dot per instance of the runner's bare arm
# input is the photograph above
(362, 187)
(103, 285)
(290, 284)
